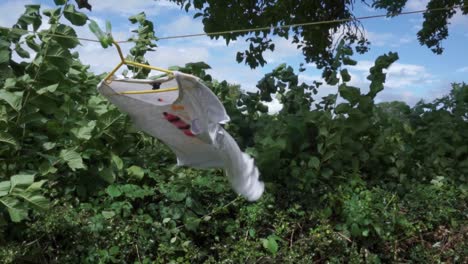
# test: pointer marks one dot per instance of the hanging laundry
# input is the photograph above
(188, 120)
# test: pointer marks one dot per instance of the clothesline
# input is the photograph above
(314, 23)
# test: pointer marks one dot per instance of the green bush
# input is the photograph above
(347, 180)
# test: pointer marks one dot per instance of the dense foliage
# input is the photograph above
(316, 42)
(347, 180)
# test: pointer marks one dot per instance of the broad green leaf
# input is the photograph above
(49, 145)
(136, 171)
(342, 108)
(10, 83)
(113, 191)
(117, 161)
(102, 37)
(48, 89)
(46, 168)
(4, 188)
(75, 17)
(21, 52)
(139, 18)
(60, 59)
(53, 13)
(351, 94)
(326, 173)
(107, 175)
(36, 200)
(84, 132)
(17, 215)
(60, 2)
(355, 230)
(176, 195)
(114, 250)
(36, 186)
(345, 75)
(13, 99)
(71, 41)
(21, 180)
(191, 223)
(270, 245)
(108, 214)
(72, 158)
(4, 56)
(7, 138)
(108, 119)
(32, 44)
(314, 162)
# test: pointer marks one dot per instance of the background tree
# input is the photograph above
(315, 42)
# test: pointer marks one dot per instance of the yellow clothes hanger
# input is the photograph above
(123, 61)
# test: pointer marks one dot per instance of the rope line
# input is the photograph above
(302, 24)
(249, 29)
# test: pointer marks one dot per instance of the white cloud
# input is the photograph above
(463, 69)
(132, 7)
(381, 39)
(414, 5)
(283, 50)
(274, 106)
(15, 8)
(459, 19)
(183, 25)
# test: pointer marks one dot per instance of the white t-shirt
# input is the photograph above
(188, 121)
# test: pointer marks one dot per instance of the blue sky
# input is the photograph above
(418, 74)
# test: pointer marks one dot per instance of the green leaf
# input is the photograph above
(326, 173)
(48, 89)
(191, 223)
(345, 75)
(352, 94)
(355, 230)
(71, 40)
(252, 232)
(10, 83)
(36, 186)
(5, 55)
(314, 162)
(4, 188)
(270, 245)
(136, 171)
(114, 250)
(107, 175)
(113, 191)
(32, 44)
(7, 138)
(21, 180)
(108, 214)
(72, 158)
(21, 52)
(342, 108)
(49, 145)
(139, 18)
(36, 200)
(102, 37)
(59, 57)
(60, 2)
(75, 17)
(84, 132)
(13, 99)
(17, 215)
(176, 196)
(117, 161)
